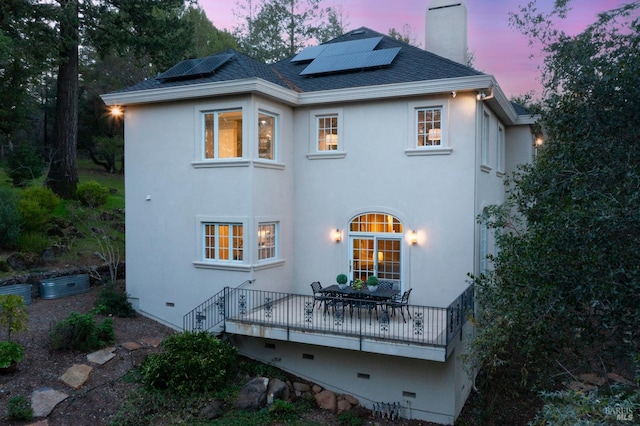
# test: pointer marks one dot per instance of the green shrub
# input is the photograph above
(349, 418)
(80, 332)
(13, 314)
(9, 218)
(282, 411)
(189, 364)
(36, 206)
(92, 194)
(33, 242)
(112, 301)
(602, 406)
(10, 352)
(19, 408)
(24, 164)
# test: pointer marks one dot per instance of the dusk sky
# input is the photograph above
(498, 49)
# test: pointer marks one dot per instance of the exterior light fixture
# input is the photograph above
(453, 94)
(116, 111)
(413, 238)
(337, 235)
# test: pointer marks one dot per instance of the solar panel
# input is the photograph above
(195, 67)
(340, 48)
(345, 62)
(309, 53)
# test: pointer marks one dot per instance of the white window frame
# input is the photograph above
(200, 160)
(314, 153)
(274, 139)
(485, 136)
(263, 241)
(413, 149)
(500, 150)
(226, 264)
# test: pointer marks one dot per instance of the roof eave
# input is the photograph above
(202, 90)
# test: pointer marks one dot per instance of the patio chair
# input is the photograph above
(320, 298)
(385, 285)
(401, 304)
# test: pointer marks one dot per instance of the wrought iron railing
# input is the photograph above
(422, 325)
(210, 314)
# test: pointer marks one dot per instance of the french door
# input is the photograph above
(376, 255)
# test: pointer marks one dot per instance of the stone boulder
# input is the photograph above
(253, 394)
(212, 410)
(327, 400)
(277, 389)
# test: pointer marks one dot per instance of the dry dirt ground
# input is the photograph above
(99, 399)
(95, 403)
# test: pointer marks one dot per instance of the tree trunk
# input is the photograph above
(63, 173)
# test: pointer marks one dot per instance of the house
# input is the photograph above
(246, 182)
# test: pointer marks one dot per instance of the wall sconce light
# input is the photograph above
(337, 235)
(413, 238)
(453, 94)
(116, 111)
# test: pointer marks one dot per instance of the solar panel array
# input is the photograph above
(192, 68)
(345, 56)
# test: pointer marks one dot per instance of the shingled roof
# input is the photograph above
(411, 64)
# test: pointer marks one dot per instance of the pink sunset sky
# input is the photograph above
(498, 49)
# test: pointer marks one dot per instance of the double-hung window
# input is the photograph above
(266, 135)
(267, 241)
(500, 150)
(223, 242)
(222, 134)
(429, 127)
(327, 132)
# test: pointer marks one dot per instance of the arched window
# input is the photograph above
(375, 242)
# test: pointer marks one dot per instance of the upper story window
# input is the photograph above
(429, 126)
(267, 241)
(223, 242)
(327, 132)
(500, 150)
(484, 143)
(223, 134)
(266, 135)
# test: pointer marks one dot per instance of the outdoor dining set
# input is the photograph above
(381, 303)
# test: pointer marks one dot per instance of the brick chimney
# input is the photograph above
(446, 29)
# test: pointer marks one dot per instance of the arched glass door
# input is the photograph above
(375, 241)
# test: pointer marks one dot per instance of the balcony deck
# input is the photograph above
(424, 333)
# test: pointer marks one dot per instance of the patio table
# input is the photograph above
(380, 295)
(359, 299)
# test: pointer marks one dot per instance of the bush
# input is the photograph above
(36, 206)
(282, 411)
(92, 194)
(19, 408)
(9, 218)
(24, 164)
(111, 301)
(33, 242)
(349, 418)
(13, 314)
(80, 332)
(190, 364)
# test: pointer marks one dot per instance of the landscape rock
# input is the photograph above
(343, 405)
(76, 375)
(593, 379)
(131, 346)
(253, 395)
(212, 410)
(24, 261)
(316, 389)
(43, 401)
(352, 400)
(301, 387)
(326, 400)
(277, 389)
(102, 356)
